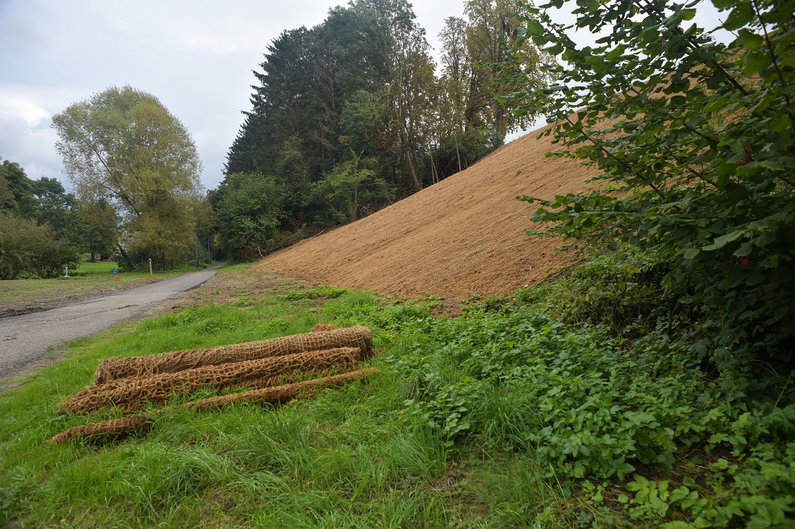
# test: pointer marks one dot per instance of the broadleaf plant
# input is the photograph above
(694, 140)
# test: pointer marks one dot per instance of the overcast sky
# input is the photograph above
(196, 56)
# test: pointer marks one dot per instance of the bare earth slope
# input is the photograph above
(460, 237)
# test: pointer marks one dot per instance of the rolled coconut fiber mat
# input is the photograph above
(134, 393)
(120, 428)
(282, 394)
(107, 430)
(143, 366)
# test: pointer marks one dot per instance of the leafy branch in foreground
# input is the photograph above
(695, 140)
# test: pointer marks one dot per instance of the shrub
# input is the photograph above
(28, 247)
(696, 137)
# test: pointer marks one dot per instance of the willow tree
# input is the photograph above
(124, 146)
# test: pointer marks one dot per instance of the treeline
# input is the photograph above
(353, 114)
(43, 228)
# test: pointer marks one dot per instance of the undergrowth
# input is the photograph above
(538, 411)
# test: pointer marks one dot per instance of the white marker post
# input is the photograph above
(150, 266)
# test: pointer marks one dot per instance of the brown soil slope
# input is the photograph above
(460, 237)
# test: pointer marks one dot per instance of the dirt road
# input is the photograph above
(25, 339)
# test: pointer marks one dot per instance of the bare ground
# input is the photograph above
(229, 286)
(48, 300)
(461, 237)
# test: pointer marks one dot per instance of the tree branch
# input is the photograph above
(612, 156)
(774, 61)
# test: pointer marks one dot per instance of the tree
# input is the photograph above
(6, 193)
(15, 190)
(58, 209)
(455, 81)
(697, 137)
(292, 170)
(249, 208)
(100, 228)
(44, 200)
(122, 145)
(349, 187)
(504, 61)
(362, 86)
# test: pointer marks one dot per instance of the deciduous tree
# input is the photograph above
(504, 61)
(122, 145)
(100, 228)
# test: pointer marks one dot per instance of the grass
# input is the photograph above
(22, 295)
(501, 417)
(319, 463)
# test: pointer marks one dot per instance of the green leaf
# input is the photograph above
(718, 103)
(755, 63)
(748, 40)
(746, 249)
(534, 28)
(739, 17)
(678, 524)
(690, 253)
(688, 14)
(723, 240)
(617, 52)
(779, 123)
(649, 35)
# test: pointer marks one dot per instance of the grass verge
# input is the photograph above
(500, 417)
(28, 295)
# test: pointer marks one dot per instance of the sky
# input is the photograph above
(196, 56)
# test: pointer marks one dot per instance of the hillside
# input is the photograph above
(462, 236)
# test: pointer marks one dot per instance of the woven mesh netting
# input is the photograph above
(282, 394)
(106, 430)
(134, 393)
(144, 366)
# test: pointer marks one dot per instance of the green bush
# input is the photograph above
(623, 290)
(28, 247)
(249, 210)
(696, 136)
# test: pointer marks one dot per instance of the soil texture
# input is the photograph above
(461, 237)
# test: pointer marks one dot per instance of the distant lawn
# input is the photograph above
(104, 268)
(26, 295)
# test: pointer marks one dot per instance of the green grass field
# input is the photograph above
(23, 295)
(499, 417)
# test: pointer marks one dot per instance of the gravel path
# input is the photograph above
(25, 339)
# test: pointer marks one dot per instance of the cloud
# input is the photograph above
(196, 56)
(18, 106)
(26, 135)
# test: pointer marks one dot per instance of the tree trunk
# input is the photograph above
(499, 120)
(410, 158)
(457, 152)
